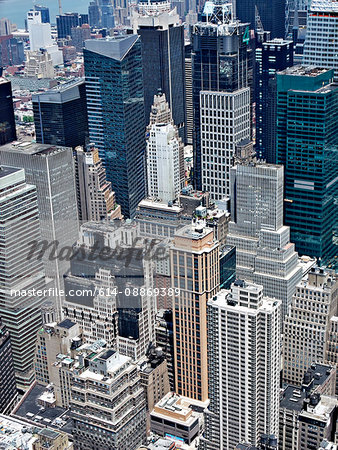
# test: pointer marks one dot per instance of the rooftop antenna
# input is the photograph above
(60, 7)
(258, 21)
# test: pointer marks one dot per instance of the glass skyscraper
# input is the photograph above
(272, 15)
(271, 56)
(220, 62)
(163, 58)
(114, 85)
(307, 144)
(60, 115)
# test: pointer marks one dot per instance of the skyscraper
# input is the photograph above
(162, 39)
(194, 259)
(113, 70)
(7, 120)
(8, 391)
(19, 274)
(165, 157)
(272, 15)
(95, 198)
(60, 115)
(307, 143)
(271, 56)
(244, 366)
(321, 44)
(51, 170)
(307, 325)
(264, 253)
(225, 122)
(45, 18)
(219, 64)
(65, 22)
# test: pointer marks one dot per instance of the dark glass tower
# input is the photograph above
(60, 115)
(7, 120)
(65, 23)
(163, 58)
(45, 18)
(220, 62)
(8, 392)
(271, 56)
(272, 14)
(114, 83)
(307, 145)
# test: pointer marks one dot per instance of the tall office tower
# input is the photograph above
(189, 110)
(307, 143)
(60, 115)
(295, 16)
(8, 391)
(19, 304)
(6, 27)
(244, 366)
(45, 17)
(107, 14)
(219, 65)
(95, 198)
(113, 69)
(11, 51)
(51, 170)
(321, 44)
(271, 56)
(65, 22)
(115, 266)
(113, 416)
(307, 324)
(225, 122)
(194, 259)
(80, 35)
(165, 153)
(40, 36)
(264, 253)
(7, 120)
(162, 38)
(94, 14)
(272, 15)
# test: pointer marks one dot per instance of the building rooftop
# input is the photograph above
(61, 93)
(176, 408)
(324, 6)
(15, 434)
(322, 410)
(194, 231)
(5, 171)
(309, 71)
(32, 148)
(293, 398)
(31, 411)
(66, 324)
(277, 42)
(112, 47)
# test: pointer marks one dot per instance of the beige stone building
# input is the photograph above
(194, 260)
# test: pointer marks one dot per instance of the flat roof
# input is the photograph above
(32, 148)
(66, 324)
(5, 171)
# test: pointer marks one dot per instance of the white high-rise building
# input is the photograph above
(225, 121)
(244, 366)
(20, 276)
(40, 37)
(321, 43)
(308, 323)
(165, 158)
(264, 253)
